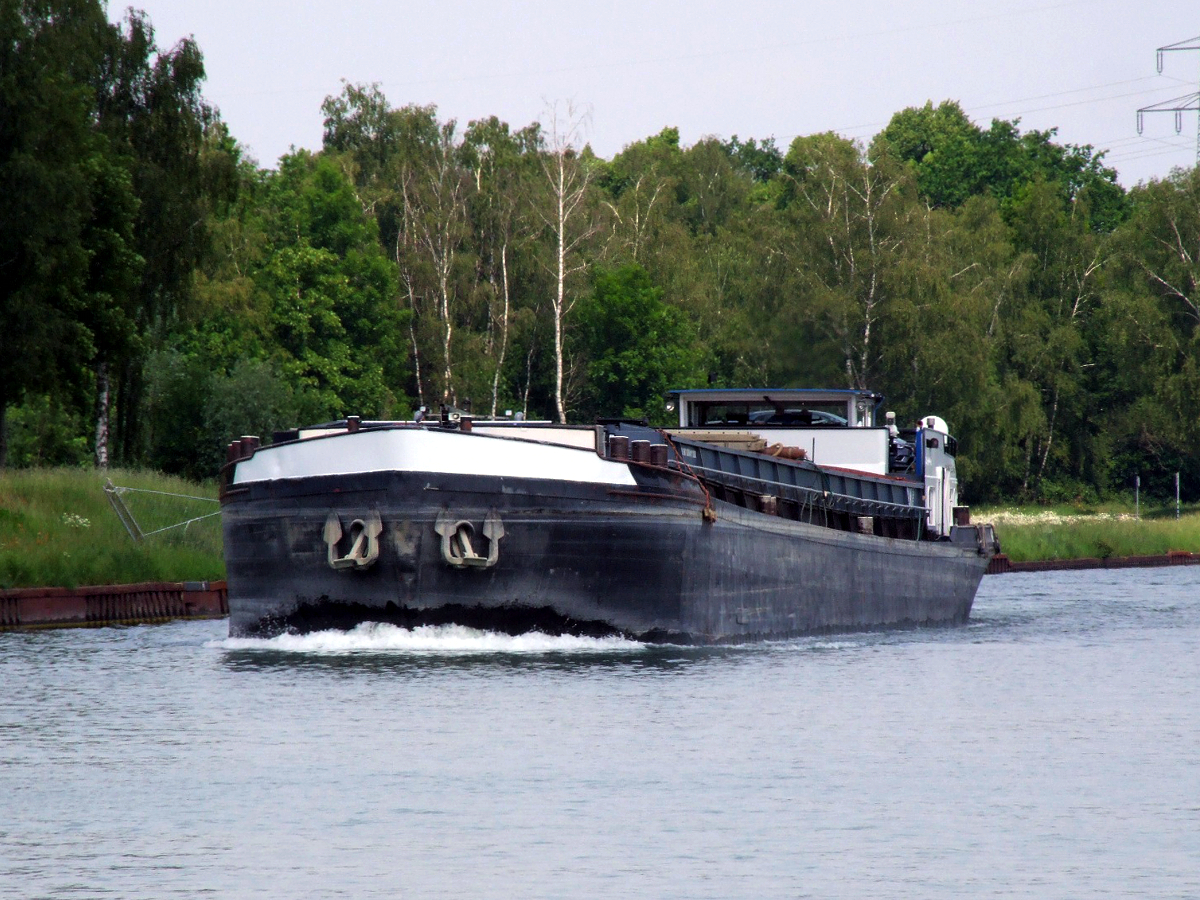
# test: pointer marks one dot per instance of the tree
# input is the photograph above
(953, 159)
(641, 183)
(1149, 336)
(151, 110)
(111, 288)
(332, 324)
(851, 221)
(566, 216)
(299, 314)
(708, 234)
(419, 181)
(713, 192)
(379, 147)
(1050, 334)
(499, 162)
(762, 161)
(50, 158)
(953, 291)
(636, 346)
(436, 230)
(945, 150)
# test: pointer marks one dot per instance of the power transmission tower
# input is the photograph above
(1180, 105)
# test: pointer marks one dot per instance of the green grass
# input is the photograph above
(58, 529)
(1035, 533)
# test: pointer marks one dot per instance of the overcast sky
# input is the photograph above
(747, 67)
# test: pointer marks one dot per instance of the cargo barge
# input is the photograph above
(764, 514)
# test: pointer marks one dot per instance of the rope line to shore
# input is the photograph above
(129, 490)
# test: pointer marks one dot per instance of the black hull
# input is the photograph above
(577, 558)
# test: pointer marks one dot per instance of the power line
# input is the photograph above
(1144, 143)
(975, 109)
(1094, 87)
(1149, 153)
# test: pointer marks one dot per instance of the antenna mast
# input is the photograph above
(1180, 105)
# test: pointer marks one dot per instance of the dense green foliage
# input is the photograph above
(148, 270)
(635, 347)
(102, 205)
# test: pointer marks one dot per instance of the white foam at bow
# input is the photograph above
(434, 639)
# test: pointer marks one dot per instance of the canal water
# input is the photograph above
(1051, 748)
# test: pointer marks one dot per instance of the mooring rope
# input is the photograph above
(129, 520)
(127, 490)
(184, 524)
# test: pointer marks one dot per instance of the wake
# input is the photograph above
(377, 637)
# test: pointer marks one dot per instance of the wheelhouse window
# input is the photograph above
(763, 414)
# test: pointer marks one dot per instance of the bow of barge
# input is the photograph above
(763, 514)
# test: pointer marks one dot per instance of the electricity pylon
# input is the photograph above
(1180, 105)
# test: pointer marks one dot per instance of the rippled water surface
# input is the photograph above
(1051, 748)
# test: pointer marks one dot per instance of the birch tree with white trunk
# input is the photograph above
(435, 229)
(566, 215)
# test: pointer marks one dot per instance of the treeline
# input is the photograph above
(162, 294)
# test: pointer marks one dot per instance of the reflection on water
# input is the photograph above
(1047, 748)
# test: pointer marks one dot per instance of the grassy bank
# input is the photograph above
(1037, 534)
(58, 529)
